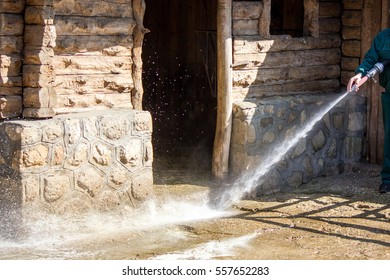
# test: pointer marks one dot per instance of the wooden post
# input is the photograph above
(220, 161)
(138, 38)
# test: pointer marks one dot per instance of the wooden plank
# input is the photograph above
(11, 24)
(75, 26)
(139, 33)
(14, 7)
(329, 25)
(247, 10)
(312, 87)
(98, 64)
(256, 44)
(377, 90)
(93, 8)
(78, 84)
(245, 27)
(329, 9)
(11, 44)
(93, 101)
(285, 75)
(220, 159)
(72, 44)
(290, 58)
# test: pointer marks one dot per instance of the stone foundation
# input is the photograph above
(332, 146)
(76, 162)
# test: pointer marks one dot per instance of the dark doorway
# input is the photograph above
(179, 80)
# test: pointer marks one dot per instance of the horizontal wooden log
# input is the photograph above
(256, 44)
(72, 44)
(84, 84)
(10, 65)
(351, 33)
(11, 44)
(11, 6)
(38, 113)
(290, 58)
(38, 36)
(349, 63)
(40, 15)
(329, 9)
(245, 27)
(39, 97)
(351, 48)
(312, 87)
(38, 76)
(285, 75)
(13, 106)
(353, 4)
(40, 2)
(329, 25)
(11, 81)
(345, 76)
(247, 10)
(79, 65)
(11, 24)
(92, 8)
(41, 56)
(93, 101)
(75, 26)
(352, 18)
(6, 90)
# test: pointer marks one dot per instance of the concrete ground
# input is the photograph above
(338, 217)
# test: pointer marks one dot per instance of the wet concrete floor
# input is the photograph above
(338, 217)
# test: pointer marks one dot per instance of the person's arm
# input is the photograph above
(370, 58)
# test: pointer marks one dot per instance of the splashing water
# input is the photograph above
(249, 181)
(63, 230)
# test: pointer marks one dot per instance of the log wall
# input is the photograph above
(11, 44)
(352, 18)
(93, 54)
(281, 65)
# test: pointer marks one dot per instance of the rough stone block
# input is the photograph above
(55, 167)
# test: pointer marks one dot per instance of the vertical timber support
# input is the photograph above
(221, 149)
(39, 96)
(139, 7)
(265, 19)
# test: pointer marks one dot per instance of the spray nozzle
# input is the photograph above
(378, 68)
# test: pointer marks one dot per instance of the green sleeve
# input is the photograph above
(371, 57)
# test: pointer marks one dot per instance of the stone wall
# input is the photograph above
(332, 146)
(77, 162)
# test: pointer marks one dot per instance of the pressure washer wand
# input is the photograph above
(377, 69)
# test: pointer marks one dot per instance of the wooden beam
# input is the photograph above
(220, 162)
(139, 33)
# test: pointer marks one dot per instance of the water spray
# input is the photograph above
(249, 181)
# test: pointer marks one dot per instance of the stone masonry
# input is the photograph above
(335, 142)
(77, 162)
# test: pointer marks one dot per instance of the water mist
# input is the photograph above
(247, 182)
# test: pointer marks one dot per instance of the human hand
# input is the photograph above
(354, 81)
